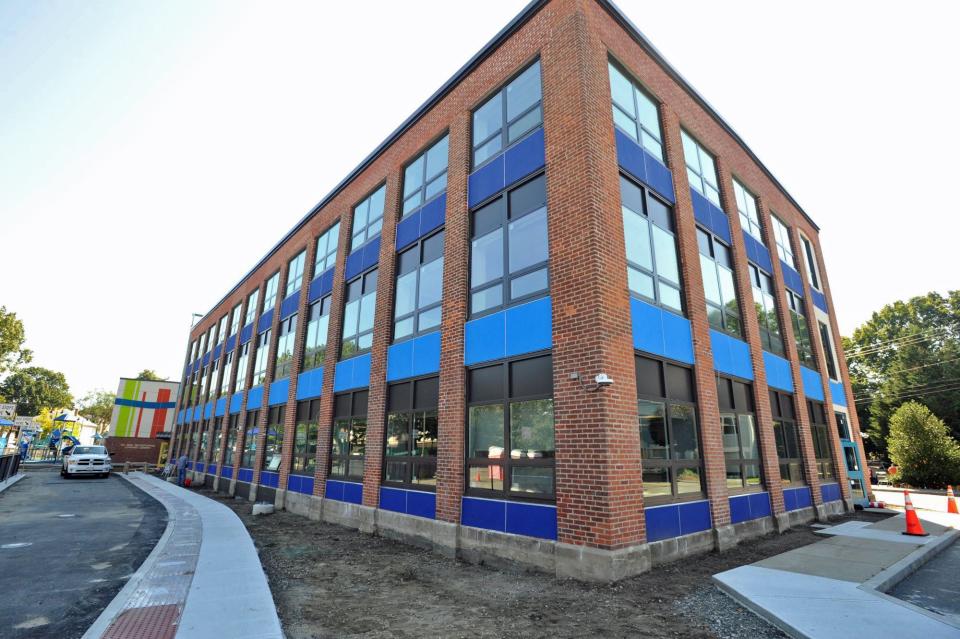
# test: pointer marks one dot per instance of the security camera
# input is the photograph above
(603, 380)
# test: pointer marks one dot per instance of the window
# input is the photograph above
(510, 431)
(701, 170)
(368, 218)
(273, 444)
(419, 288)
(208, 340)
(305, 438)
(821, 440)
(764, 301)
(194, 388)
(227, 368)
(252, 306)
(260, 360)
(652, 269)
(295, 273)
(270, 294)
(315, 345)
(747, 208)
(741, 449)
(635, 113)
(235, 319)
(785, 436)
(240, 382)
(668, 431)
(222, 329)
(507, 116)
(411, 435)
(202, 452)
(508, 254)
(426, 176)
(349, 441)
(843, 427)
(358, 315)
(716, 264)
(250, 439)
(231, 440)
(812, 273)
(288, 335)
(781, 233)
(801, 330)
(828, 351)
(203, 385)
(214, 376)
(327, 250)
(218, 440)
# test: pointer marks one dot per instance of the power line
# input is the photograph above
(921, 392)
(925, 385)
(899, 339)
(906, 341)
(916, 368)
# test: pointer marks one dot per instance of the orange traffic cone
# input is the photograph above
(913, 522)
(951, 502)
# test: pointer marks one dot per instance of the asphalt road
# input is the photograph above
(83, 539)
(935, 586)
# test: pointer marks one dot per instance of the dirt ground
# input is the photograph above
(329, 581)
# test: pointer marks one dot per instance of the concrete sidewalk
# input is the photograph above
(837, 587)
(203, 579)
(928, 500)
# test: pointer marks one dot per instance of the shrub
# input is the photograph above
(922, 449)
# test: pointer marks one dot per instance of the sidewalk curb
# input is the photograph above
(887, 579)
(759, 611)
(10, 481)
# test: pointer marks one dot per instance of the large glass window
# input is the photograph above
(218, 439)
(295, 273)
(204, 434)
(203, 384)
(273, 444)
(232, 431)
(669, 439)
(747, 208)
(813, 274)
(801, 329)
(270, 293)
(508, 115)
(252, 300)
(285, 340)
(634, 112)
(786, 438)
(368, 218)
(716, 264)
(240, 381)
(765, 303)
(305, 438)
(822, 451)
(508, 258)
(410, 451)
(250, 439)
(510, 431)
(349, 441)
(315, 345)
(225, 388)
(419, 288)
(214, 377)
(843, 427)
(426, 176)
(828, 351)
(260, 359)
(235, 318)
(781, 233)
(327, 249)
(652, 269)
(358, 315)
(741, 449)
(222, 329)
(701, 169)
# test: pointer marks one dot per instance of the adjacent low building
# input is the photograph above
(562, 316)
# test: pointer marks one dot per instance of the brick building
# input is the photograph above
(561, 316)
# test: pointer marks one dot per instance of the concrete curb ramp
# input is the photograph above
(203, 578)
(10, 481)
(836, 588)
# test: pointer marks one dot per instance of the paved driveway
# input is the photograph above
(936, 585)
(67, 547)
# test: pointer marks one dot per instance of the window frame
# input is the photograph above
(357, 399)
(411, 462)
(222, 328)
(253, 300)
(233, 429)
(768, 339)
(261, 364)
(740, 404)
(249, 439)
(639, 127)
(368, 222)
(295, 271)
(243, 363)
(235, 319)
(309, 361)
(273, 445)
(699, 172)
(800, 330)
(752, 206)
(286, 342)
(425, 180)
(810, 255)
(826, 338)
(784, 424)
(303, 463)
(364, 296)
(725, 312)
(822, 450)
(505, 121)
(271, 291)
(332, 232)
(417, 311)
(781, 236)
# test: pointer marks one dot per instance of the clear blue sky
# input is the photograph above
(135, 135)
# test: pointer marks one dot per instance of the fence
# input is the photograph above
(9, 465)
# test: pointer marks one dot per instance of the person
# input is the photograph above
(181, 469)
(24, 445)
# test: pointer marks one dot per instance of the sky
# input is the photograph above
(152, 152)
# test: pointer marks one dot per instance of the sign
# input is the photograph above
(26, 425)
(143, 408)
(7, 411)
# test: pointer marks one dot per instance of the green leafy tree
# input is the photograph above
(12, 337)
(921, 448)
(34, 388)
(149, 375)
(98, 407)
(908, 350)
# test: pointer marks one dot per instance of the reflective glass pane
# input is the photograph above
(486, 258)
(523, 92)
(731, 444)
(665, 248)
(431, 283)
(688, 481)
(711, 287)
(683, 428)
(748, 437)
(640, 283)
(734, 476)
(368, 304)
(529, 121)
(434, 187)
(487, 298)
(429, 319)
(636, 233)
(489, 477)
(624, 121)
(531, 429)
(396, 471)
(425, 431)
(406, 294)
(528, 240)
(488, 150)
(485, 432)
(653, 430)
(403, 328)
(534, 480)
(437, 157)
(365, 341)
(528, 284)
(398, 434)
(488, 119)
(670, 296)
(656, 483)
(413, 177)
(621, 90)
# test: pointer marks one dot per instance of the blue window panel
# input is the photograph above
(837, 393)
(321, 285)
(334, 490)
(310, 383)
(790, 499)
(279, 391)
(220, 408)
(524, 157)
(236, 403)
(760, 505)
(269, 479)
(196, 366)
(636, 161)
(293, 483)
(426, 354)
(245, 475)
(731, 355)
(400, 360)
(433, 214)
(797, 498)
(408, 230)
(819, 300)
(354, 265)
(208, 410)
(791, 278)
(352, 373)
(757, 252)
(300, 484)
(490, 514)
(255, 397)
(663, 522)
(393, 499)
(486, 181)
(231, 343)
(206, 358)
(198, 467)
(485, 339)
(353, 492)
(529, 327)
(227, 471)
(371, 253)
(289, 306)
(812, 383)
(263, 324)
(532, 520)
(179, 417)
(197, 411)
(694, 517)
(246, 333)
(740, 509)
(710, 215)
(212, 469)
(830, 492)
(804, 498)
(778, 372)
(660, 332)
(217, 350)
(422, 504)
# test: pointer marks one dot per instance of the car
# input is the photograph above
(86, 460)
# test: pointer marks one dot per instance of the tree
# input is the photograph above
(97, 407)
(920, 446)
(44, 419)
(34, 388)
(149, 375)
(12, 337)
(908, 350)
